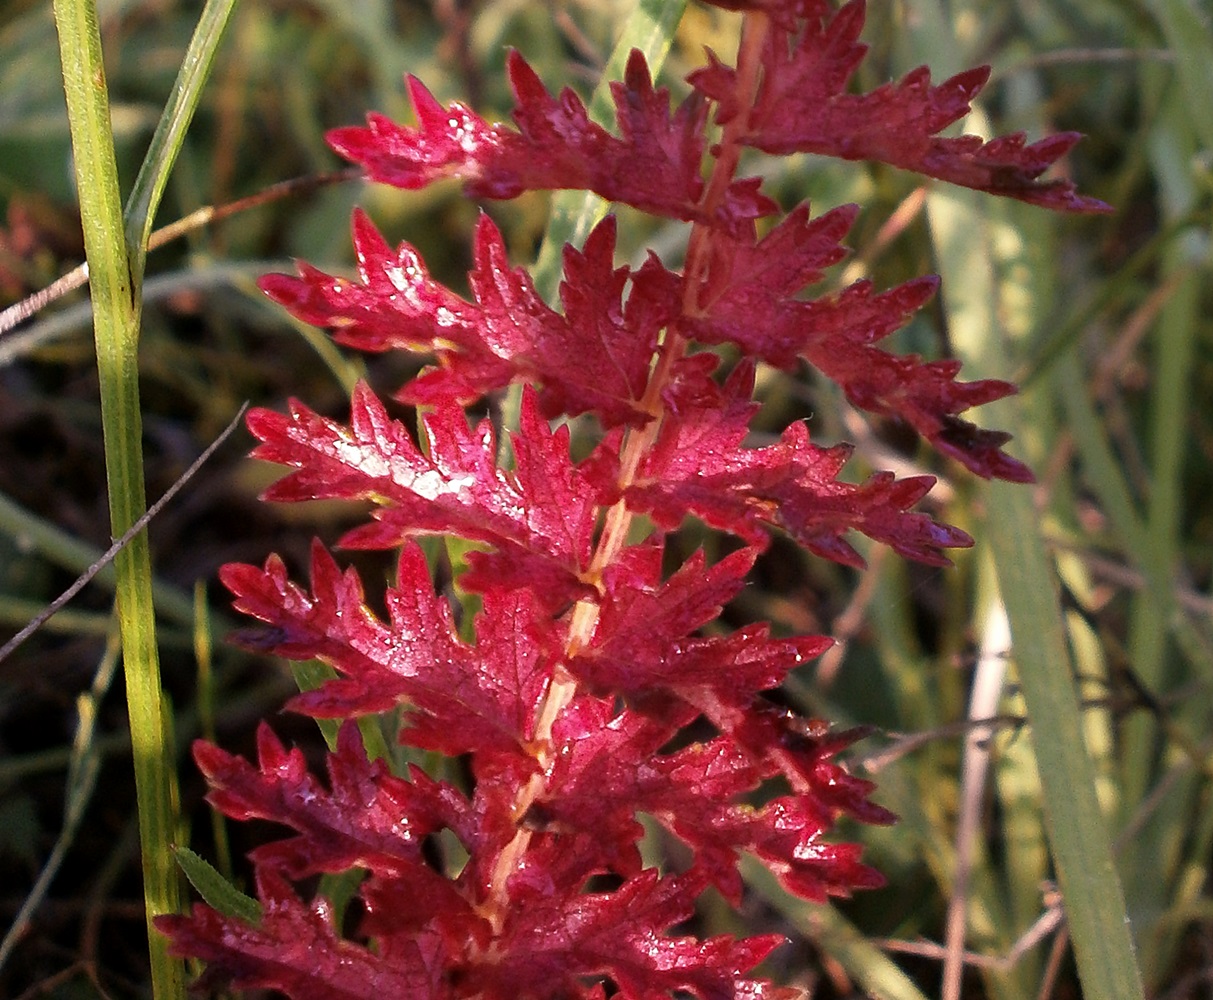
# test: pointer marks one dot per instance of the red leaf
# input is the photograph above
(540, 519)
(642, 643)
(804, 107)
(761, 277)
(594, 357)
(927, 396)
(461, 699)
(699, 467)
(749, 295)
(786, 834)
(653, 165)
(608, 770)
(396, 305)
(367, 818)
(550, 942)
(296, 950)
(647, 716)
(802, 751)
(749, 299)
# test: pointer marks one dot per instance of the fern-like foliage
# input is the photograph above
(589, 694)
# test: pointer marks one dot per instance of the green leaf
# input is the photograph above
(821, 923)
(114, 291)
(1078, 834)
(215, 889)
(650, 28)
(170, 130)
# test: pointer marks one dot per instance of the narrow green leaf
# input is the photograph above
(1153, 858)
(70, 553)
(1078, 835)
(170, 130)
(1190, 36)
(650, 28)
(962, 232)
(876, 973)
(215, 889)
(82, 771)
(311, 674)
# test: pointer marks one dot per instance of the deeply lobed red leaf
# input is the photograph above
(592, 357)
(554, 939)
(540, 519)
(698, 466)
(296, 949)
(749, 299)
(555, 935)
(804, 107)
(803, 752)
(462, 698)
(643, 642)
(610, 768)
(367, 818)
(654, 164)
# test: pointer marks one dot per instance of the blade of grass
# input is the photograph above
(116, 312)
(115, 252)
(650, 29)
(1078, 835)
(68, 552)
(170, 130)
(17, 612)
(82, 581)
(203, 649)
(1151, 860)
(1082, 849)
(1027, 293)
(1191, 39)
(311, 674)
(82, 771)
(821, 923)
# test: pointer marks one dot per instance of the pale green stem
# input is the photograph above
(114, 247)
(116, 312)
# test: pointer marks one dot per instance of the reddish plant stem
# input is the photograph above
(637, 443)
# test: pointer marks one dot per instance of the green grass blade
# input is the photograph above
(650, 28)
(1190, 37)
(1154, 856)
(874, 971)
(1078, 835)
(82, 771)
(170, 130)
(70, 553)
(311, 674)
(961, 229)
(116, 315)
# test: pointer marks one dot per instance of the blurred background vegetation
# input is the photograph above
(1105, 321)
